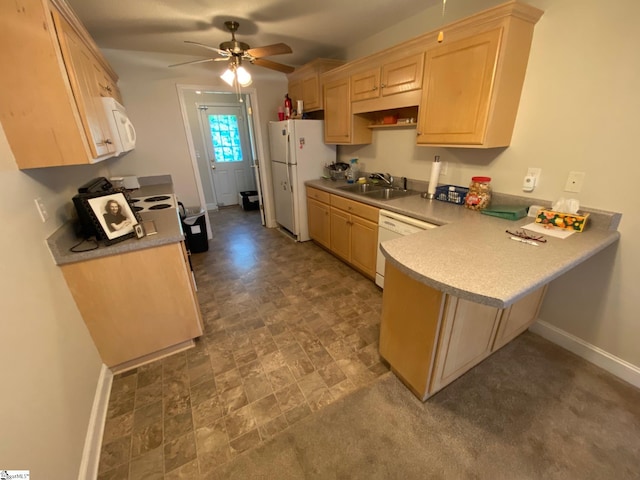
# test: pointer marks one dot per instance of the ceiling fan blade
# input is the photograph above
(267, 51)
(221, 52)
(272, 65)
(194, 62)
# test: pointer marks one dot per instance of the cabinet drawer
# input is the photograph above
(318, 195)
(356, 208)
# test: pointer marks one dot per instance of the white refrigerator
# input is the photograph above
(298, 154)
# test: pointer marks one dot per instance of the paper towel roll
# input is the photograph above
(435, 175)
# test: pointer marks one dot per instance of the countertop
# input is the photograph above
(167, 224)
(472, 257)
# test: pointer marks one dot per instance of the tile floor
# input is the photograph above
(289, 329)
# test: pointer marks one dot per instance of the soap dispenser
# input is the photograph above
(352, 171)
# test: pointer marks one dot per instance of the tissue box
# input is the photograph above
(567, 221)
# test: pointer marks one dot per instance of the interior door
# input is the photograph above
(228, 150)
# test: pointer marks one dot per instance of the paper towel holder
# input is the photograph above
(433, 180)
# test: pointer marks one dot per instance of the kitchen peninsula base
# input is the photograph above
(431, 338)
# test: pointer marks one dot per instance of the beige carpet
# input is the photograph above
(531, 411)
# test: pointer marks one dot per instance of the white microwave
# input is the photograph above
(123, 134)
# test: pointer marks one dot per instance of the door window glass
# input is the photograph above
(225, 137)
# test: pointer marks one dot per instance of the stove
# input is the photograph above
(153, 202)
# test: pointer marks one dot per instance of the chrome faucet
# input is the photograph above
(385, 177)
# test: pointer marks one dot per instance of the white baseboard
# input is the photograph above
(93, 441)
(612, 364)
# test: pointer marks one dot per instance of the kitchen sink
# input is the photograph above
(362, 188)
(390, 193)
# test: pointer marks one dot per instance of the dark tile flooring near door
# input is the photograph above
(289, 329)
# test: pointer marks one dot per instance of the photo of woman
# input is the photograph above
(114, 215)
(114, 218)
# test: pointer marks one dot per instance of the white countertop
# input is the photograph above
(472, 257)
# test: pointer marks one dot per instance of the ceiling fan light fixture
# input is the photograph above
(228, 76)
(243, 77)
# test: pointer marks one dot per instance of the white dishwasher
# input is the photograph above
(393, 225)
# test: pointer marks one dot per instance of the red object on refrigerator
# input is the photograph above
(288, 107)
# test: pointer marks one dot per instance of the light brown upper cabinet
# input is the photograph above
(394, 77)
(340, 126)
(470, 88)
(85, 76)
(472, 84)
(50, 90)
(305, 84)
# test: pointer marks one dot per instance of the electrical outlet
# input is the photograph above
(535, 173)
(443, 168)
(42, 210)
(574, 182)
(531, 179)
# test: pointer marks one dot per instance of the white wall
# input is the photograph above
(149, 91)
(578, 111)
(50, 367)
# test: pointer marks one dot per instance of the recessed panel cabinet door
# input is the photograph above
(457, 90)
(365, 85)
(319, 222)
(84, 79)
(364, 243)
(402, 75)
(468, 334)
(337, 111)
(311, 93)
(341, 233)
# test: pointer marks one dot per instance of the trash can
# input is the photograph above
(249, 200)
(194, 226)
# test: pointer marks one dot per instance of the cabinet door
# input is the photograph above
(518, 317)
(295, 91)
(83, 76)
(337, 111)
(311, 95)
(364, 243)
(340, 234)
(318, 215)
(365, 85)
(108, 87)
(467, 339)
(402, 75)
(457, 90)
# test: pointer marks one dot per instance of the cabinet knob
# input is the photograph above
(375, 87)
(382, 85)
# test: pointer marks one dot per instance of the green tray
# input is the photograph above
(508, 212)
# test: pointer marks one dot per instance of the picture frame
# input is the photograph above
(111, 214)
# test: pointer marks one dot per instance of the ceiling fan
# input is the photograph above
(235, 52)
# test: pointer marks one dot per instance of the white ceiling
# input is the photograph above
(311, 28)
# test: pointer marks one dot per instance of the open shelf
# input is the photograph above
(392, 125)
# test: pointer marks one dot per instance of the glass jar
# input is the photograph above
(479, 194)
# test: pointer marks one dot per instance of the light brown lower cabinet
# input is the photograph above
(354, 239)
(431, 338)
(136, 304)
(319, 222)
(347, 228)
